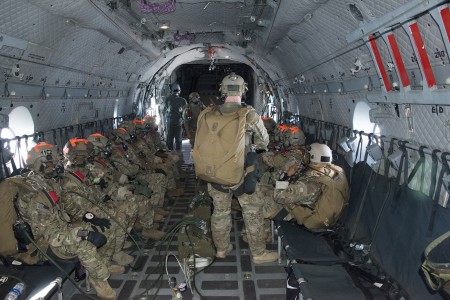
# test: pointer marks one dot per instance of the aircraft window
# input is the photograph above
(361, 122)
(116, 108)
(20, 123)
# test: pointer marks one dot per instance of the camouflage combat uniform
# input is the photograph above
(153, 137)
(152, 162)
(316, 199)
(252, 206)
(190, 115)
(77, 198)
(123, 161)
(49, 224)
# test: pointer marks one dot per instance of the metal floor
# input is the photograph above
(234, 277)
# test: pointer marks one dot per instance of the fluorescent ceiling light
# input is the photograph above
(164, 25)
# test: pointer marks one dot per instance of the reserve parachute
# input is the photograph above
(219, 149)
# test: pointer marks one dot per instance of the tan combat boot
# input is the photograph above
(128, 244)
(122, 258)
(158, 217)
(153, 234)
(162, 212)
(223, 254)
(103, 289)
(266, 257)
(116, 269)
(173, 193)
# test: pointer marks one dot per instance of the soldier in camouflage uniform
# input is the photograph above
(233, 86)
(152, 136)
(314, 193)
(275, 135)
(190, 115)
(148, 154)
(83, 197)
(316, 199)
(124, 160)
(38, 196)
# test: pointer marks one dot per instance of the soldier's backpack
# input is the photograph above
(8, 217)
(219, 149)
(436, 266)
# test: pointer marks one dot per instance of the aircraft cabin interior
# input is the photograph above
(327, 179)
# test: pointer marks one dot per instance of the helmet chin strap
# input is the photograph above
(320, 170)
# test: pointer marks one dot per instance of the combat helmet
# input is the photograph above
(101, 144)
(127, 124)
(43, 158)
(150, 122)
(194, 95)
(119, 135)
(294, 136)
(320, 153)
(270, 124)
(138, 124)
(233, 85)
(176, 89)
(78, 151)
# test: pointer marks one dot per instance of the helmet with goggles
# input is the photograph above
(269, 123)
(78, 151)
(294, 136)
(101, 144)
(44, 158)
(120, 135)
(150, 122)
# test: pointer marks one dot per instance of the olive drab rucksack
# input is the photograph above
(219, 149)
(436, 266)
(10, 244)
(8, 217)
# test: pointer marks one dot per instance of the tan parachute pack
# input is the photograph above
(219, 149)
(9, 188)
(8, 217)
(330, 205)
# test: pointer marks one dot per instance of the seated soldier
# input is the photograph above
(82, 197)
(274, 132)
(124, 159)
(154, 137)
(292, 137)
(36, 196)
(313, 193)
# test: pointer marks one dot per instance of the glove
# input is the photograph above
(96, 238)
(100, 222)
(103, 184)
(142, 190)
